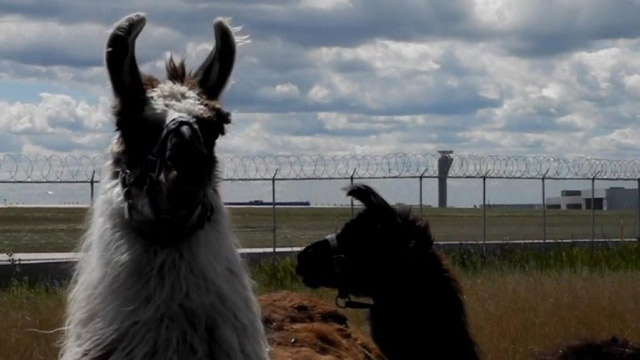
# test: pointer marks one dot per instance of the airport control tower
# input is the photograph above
(444, 164)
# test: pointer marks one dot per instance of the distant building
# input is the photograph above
(613, 198)
(513, 206)
(267, 203)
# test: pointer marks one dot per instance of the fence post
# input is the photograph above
(544, 208)
(593, 207)
(484, 209)
(638, 216)
(421, 176)
(93, 174)
(351, 181)
(273, 208)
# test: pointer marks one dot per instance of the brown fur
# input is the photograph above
(177, 72)
(299, 326)
(612, 349)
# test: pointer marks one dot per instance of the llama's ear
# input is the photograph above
(369, 197)
(124, 74)
(213, 74)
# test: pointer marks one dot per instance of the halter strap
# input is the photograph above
(148, 175)
(340, 265)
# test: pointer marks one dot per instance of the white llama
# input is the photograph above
(159, 276)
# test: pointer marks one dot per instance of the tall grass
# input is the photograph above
(30, 319)
(523, 303)
(275, 275)
(575, 260)
(522, 315)
(280, 274)
(519, 303)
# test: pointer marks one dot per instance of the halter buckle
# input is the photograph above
(127, 210)
(341, 302)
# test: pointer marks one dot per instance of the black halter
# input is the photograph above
(163, 226)
(340, 266)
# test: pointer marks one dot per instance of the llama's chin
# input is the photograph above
(167, 215)
(181, 200)
(308, 281)
(314, 284)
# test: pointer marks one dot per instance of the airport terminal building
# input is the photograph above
(613, 198)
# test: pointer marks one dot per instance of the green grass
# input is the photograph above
(521, 315)
(280, 274)
(30, 316)
(623, 258)
(275, 275)
(520, 302)
(59, 229)
(40, 229)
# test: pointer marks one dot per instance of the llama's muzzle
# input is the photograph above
(315, 265)
(174, 182)
(185, 153)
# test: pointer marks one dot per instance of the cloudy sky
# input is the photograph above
(526, 77)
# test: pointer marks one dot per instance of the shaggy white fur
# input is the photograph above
(178, 98)
(133, 300)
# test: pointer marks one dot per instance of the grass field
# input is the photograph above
(520, 303)
(513, 313)
(58, 229)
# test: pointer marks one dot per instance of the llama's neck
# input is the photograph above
(422, 314)
(132, 300)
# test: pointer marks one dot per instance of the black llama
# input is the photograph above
(387, 255)
(159, 276)
(417, 309)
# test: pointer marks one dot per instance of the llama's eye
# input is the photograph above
(208, 130)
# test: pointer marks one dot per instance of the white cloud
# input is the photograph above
(319, 93)
(281, 91)
(328, 77)
(57, 122)
(326, 4)
(287, 90)
(632, 84)
(47, 42)
(345, 76)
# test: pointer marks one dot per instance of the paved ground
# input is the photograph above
(31, 258)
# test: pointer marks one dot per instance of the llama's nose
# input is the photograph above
(184, 149)
(183, 138)
(310, 257)
(304, 258)
(185, 132)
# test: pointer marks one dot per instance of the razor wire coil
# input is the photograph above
(72, 168)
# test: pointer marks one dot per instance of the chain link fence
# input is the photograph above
(269, 189)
